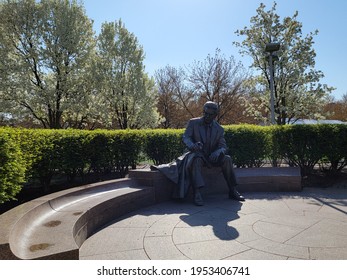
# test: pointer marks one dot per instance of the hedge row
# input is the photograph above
(28, 155)
(309, 145)
(12, 167)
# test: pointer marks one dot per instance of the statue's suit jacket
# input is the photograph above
(196, 132)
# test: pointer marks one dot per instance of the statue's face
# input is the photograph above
(209, 115)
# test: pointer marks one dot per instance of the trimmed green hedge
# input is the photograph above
(249, 145)
(308, 145)
(333, 147)
(29, 155)
(75, 152)
(299, 145)
(163, 145)
(12, 166)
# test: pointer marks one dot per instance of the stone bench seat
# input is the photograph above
(56, 225)
(260, 179)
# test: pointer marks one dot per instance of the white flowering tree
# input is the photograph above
(298, 91)
(45, 49)
(127, 96)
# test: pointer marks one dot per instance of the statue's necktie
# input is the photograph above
(208, 140)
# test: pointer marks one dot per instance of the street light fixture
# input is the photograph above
(271, 48)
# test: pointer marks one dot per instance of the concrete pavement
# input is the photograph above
(311, 224)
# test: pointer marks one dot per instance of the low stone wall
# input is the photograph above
(262, 179)
(55, 226)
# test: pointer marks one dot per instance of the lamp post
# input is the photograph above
(271, 48)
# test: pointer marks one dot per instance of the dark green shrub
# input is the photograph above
(163, 145)
(249, 145)
(99, 155)
(53, 152)
(333, 142)
(12, 166)
(44, 153)
(299, 145)
(113, 151)
(126, 149)
(71, 153)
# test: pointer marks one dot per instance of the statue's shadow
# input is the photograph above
(215, 218)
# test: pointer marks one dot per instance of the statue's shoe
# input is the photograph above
(234, 194)
(198, 199)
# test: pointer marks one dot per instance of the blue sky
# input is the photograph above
(177, 32)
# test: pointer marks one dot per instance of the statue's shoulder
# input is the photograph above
(195, 121)
(218, 126)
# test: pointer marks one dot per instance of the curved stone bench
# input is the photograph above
(262, 179)
(56, 225)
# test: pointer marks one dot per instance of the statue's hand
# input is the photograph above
(214, 156)
(196, 147)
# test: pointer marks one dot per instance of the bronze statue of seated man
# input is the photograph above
(204, 139)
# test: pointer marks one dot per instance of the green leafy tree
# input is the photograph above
(45, 48)
(298, 92)
(126, 95)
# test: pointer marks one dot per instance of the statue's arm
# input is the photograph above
(222, 145)
(221, 148)
(188, 136)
